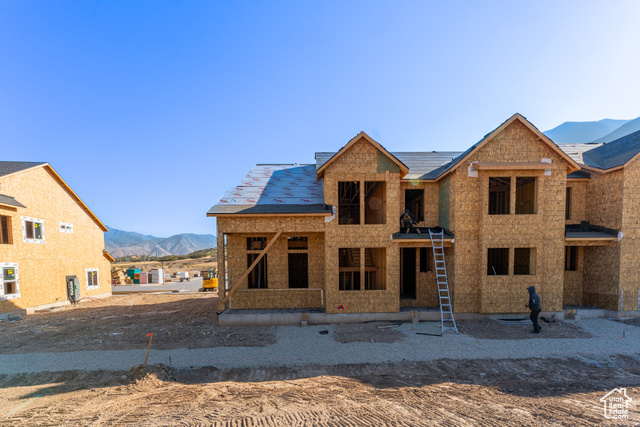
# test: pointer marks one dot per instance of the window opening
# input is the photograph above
(498, 261)
(525, 195)
(499, 195)
(349, 203)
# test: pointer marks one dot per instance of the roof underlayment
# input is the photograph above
(274, 189)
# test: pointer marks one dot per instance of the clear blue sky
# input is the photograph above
(151, 109)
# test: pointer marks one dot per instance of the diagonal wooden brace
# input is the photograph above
(251, 267)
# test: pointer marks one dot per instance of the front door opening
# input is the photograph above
(408, 273)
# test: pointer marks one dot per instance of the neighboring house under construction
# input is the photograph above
(517, 210)
(48, 238)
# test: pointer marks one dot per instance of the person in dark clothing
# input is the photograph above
(407, 220)
(534, 306)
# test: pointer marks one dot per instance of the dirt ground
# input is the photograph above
(122, 321)
(527, 392)
(470, 392)
(490, 329)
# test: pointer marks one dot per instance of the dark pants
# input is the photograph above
(409, 228)
(534, 320)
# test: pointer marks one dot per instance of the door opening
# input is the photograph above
(408, 273)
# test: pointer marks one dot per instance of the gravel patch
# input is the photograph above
(299, 346)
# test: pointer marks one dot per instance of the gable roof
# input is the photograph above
(403, 168)
(451, 166)
(9, 168)
(613, 154)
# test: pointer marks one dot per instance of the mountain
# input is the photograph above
(576, 132)
(627, 128)
(120, 243)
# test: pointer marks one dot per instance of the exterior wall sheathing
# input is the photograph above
(360, 163)
(277, 294)
(43, 267)
(630, 244)
(601, 275)
(476, 231)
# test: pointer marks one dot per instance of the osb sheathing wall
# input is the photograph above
(630, 245)
(578, 202)
(476, 231)
(42, 268)
(360, 163)
(277, 294)
(601, 275)
(572, 289)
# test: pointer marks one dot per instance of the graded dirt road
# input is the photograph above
(446, 392)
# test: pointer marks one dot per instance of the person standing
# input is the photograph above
(534, 306)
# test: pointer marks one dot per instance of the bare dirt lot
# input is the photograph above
(451, 392)
(121, 323)
(481, 392)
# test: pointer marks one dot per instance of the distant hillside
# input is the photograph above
(627, 128)
(120, 243)
(576, 132)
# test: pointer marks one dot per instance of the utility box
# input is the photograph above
(73, 290)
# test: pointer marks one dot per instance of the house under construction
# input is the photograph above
(516, 210)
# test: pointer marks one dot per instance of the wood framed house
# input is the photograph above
(517, 211)
(48, 237)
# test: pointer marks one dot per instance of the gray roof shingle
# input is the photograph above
(615, 153)
(7, 168)
(8, 200)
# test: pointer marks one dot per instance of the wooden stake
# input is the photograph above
(148, 348)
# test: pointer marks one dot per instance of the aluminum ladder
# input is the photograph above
(446, 310)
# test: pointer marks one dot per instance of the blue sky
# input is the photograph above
(151, 109)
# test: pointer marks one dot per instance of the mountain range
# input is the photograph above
(120, 243)
(605, 130)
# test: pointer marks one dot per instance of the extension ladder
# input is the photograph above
(446, 310)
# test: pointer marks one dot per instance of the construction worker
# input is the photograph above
(534, 306)
(407, 220)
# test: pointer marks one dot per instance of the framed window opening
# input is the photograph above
(498, 261)
(499, 195)
(257, 279)
(32, 230)
(526, 195)
(571, 258)
(524, 261)
(425, 260)
(298, 262)
(349, 269)
(349, 203)
(92, 278)
(375, 269)
(256, 243)
(6, 237)
(375, 202)
(65, 227)
(414, 201)
(9, 282)
(567, 208)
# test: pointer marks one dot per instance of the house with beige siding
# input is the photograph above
(516, 210)
(48, 238)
